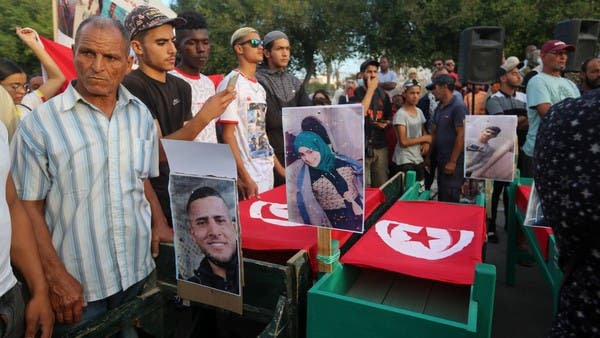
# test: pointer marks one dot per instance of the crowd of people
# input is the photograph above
(84, 193)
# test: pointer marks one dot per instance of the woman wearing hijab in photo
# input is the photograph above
(334, 181)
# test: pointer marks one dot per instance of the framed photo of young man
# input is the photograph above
(490, 147)
(206, 227)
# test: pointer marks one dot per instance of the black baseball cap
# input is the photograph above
(143, 18)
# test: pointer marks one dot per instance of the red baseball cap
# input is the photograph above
(556, 45)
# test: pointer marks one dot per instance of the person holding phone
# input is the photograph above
(244, 120)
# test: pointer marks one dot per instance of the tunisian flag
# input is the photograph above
(265, 225)
(63, 56)
(431, 240)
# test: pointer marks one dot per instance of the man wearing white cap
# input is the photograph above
(544, 90)
(507, 101)
(243, 122)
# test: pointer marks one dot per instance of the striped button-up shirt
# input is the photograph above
(90, 171)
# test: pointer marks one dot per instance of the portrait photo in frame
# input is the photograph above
(324, 150)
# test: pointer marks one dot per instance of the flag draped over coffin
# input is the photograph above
(265, 224)
(431, 240)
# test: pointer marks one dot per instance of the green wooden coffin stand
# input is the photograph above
(355, 302)
(549, 266)
(274, 293)
(358, 302)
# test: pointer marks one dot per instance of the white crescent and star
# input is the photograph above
(423, 242)
(273, 213)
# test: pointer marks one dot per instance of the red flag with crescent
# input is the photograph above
(431, 240)
(63, 56)
(265, 225)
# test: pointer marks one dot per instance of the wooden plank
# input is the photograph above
(409, 293)
(324, 248)
(372, 285)
(449, 301)
(148, 304)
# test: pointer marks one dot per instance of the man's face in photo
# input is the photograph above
(212, 228)
(487, 134)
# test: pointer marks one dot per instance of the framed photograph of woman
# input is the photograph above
(490, 147)
(324, 153)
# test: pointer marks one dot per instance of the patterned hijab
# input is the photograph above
(314, 142)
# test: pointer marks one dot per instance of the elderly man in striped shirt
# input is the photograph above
(81, 164)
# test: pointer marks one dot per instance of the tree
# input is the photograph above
(36, 14)
(320, 31)
(418, 31)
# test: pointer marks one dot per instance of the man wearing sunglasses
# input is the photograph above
(243, 121)
(544, 90)
(167, 97)
(283, 90)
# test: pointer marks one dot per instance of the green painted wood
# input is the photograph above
(333, 313)
(483, 292)
(372, 285)
(549, 267)
(408, 293)
(449, 301)
(275, 288)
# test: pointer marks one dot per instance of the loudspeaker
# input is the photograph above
(583, 34)
(480, 54)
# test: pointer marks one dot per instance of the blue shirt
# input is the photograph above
(446, 119)
(91, 171)
(544, 88)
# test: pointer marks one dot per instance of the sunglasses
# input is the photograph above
(254, 43)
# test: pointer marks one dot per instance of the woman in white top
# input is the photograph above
(14, 79)
(413, 140)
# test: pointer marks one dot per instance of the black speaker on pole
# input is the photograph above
(581, 33)
(480, 54)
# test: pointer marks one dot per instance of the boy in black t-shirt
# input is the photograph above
(167, 97)
(378, 114)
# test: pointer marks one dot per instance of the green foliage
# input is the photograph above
(325, 31)
(36, 14)
(320, 31)
(418, 31)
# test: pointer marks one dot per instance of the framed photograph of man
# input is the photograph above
(490, 143)
(324, 150)
(207, 250)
